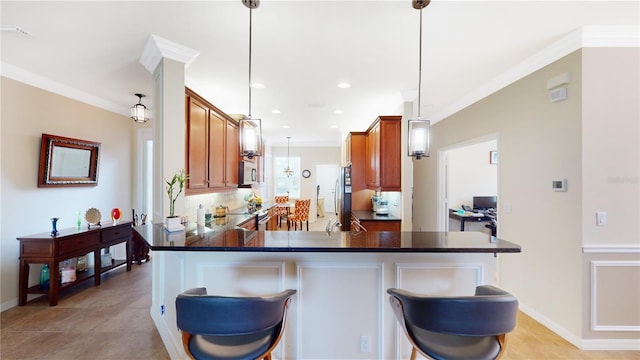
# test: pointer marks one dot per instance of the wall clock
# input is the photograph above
(306, 173)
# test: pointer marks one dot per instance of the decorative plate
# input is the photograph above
(306, 174)
(93, 216)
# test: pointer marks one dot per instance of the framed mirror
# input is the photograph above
(68, 162)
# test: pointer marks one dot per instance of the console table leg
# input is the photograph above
(54, 285)
(23, 282)
(97, 260)
(129, 257)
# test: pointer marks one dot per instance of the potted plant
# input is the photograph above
(179, 179)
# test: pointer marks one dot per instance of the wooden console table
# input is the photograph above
(68, 244)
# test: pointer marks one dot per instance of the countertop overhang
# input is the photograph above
(200, 238)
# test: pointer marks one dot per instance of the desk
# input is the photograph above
(467, 218)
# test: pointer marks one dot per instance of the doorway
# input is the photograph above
(326, 176)
(465, 170)
(144, 172)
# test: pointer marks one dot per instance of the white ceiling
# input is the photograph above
(301, 51)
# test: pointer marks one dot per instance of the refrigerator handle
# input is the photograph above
(335, 196)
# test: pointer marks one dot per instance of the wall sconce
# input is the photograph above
(250, 129)
(250, 137)
(139, 112)
(419, 130)
(418, 134)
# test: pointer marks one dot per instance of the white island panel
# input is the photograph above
(341, 296)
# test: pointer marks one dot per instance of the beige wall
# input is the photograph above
(610, 169)
(27, 112)
(611, 145)
(540, 141)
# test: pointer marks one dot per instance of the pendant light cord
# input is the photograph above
(420, 65)
(288, 145)
(250, 32)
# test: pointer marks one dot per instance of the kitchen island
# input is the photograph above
(341, 280)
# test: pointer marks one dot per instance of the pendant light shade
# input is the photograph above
(250, 129)
(419, 138)
(139, 112)
(251, 137)
(418, 129)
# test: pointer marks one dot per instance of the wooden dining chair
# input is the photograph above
(282, 208)
(301, 213)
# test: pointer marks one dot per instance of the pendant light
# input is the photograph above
(288, 170)
(250, 129)
(139, 112)
(419, 129)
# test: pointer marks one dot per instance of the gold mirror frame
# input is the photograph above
(68, 162)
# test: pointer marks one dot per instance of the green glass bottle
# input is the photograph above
(44, 278)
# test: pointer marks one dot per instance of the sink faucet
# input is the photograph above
(332, 225)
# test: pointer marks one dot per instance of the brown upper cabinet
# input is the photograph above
(382, 154)
(355, 148)
(213, 151)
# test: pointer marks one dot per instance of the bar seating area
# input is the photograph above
(222, 327)
(458, 327)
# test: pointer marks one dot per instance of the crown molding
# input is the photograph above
(583, 37)
(158, 48)
(41, 82)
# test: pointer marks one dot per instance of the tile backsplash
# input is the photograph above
(234, 199)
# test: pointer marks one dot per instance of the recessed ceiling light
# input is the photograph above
(275, 111)
(257, 86)
(337, 112)
(334, 126)
(344, 85)
(285, 126)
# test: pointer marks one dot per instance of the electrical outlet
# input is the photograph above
(601, 218)
(365, 344)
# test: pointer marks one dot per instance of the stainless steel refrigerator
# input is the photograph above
(343, 198)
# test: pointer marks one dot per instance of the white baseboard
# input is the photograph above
(174, 350)
(559, 330)
(8, 304)
(582, 344)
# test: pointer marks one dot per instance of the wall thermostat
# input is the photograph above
(559, 185)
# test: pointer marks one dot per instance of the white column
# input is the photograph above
(167, 61)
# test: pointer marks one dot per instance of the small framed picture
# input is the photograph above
(493, 157)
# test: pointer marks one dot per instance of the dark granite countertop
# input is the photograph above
(222, 238)
(370, 215)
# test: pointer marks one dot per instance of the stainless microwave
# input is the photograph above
(248, 174)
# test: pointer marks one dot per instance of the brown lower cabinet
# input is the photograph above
(381, 225)
(249, 224)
